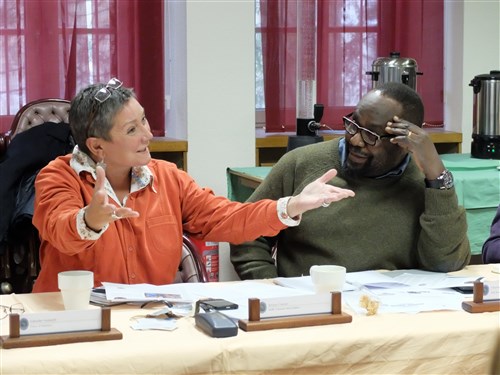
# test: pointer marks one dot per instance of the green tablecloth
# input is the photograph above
(239, 192)
(477, 183)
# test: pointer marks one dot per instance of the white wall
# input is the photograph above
(472, 47)
(175, 69)
(214, 79)
(220, 61)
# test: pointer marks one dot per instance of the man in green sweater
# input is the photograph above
(405, 213)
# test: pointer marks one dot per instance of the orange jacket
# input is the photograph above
(146, 249)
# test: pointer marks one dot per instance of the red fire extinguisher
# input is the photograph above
(209, 252)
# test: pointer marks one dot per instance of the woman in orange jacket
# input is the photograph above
(110, 208)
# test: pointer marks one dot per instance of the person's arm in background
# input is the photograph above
(491, 248)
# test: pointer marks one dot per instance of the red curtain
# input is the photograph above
(53, 48)
(351, 34)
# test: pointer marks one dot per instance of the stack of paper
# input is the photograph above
(112, 294)
(408, 291)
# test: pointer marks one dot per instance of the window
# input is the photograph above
(346, 46)
(350, 36)
(12, 58)
(260, 104)
(31, 54)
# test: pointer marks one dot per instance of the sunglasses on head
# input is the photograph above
(104, 93)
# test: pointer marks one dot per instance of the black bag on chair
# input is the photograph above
(28, 152)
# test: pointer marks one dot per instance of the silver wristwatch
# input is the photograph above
(443, 182)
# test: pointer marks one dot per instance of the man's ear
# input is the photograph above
(95, 146)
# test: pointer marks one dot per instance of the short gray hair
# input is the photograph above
(90, 118)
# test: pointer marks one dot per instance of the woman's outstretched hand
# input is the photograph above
(317, 194)
(100, 212)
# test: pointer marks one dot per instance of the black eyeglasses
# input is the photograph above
(367, 135)
(104, 93)
(16, 308)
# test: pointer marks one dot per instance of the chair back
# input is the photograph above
(191, 268)
(38, 112)
(35, 113)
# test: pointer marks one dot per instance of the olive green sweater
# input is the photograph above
(391, 223)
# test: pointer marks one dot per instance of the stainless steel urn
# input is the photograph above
(486, 116)
(394, 69)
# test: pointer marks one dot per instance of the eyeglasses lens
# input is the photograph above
(352, 128)
(349, 126)
(114, 83)
(104, 93)
(369, 138)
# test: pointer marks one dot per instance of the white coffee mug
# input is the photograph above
(328, 278)
(75, 288)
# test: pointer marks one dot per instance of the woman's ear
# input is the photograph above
(95, 147)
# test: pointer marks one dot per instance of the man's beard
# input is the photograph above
(356, 170)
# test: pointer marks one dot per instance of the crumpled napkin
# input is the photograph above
(160, 324)
(163, 319)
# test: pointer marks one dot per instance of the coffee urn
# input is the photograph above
(486, 116)
(394, 69)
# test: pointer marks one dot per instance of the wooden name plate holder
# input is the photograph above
(478, 305)
(15, 340)
(254, 323)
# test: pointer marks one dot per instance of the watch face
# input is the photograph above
(446, 179)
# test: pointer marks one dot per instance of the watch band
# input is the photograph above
(443, 182)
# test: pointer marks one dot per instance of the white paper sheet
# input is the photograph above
(303, 283)
(427, 279)
(147, 292)
(401, 291)
(406, 300)
(407, 291)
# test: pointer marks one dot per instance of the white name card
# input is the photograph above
(491, 290)
(320, 303)
(60, 321)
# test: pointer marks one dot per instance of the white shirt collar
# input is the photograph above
(141, 176)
